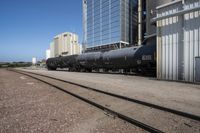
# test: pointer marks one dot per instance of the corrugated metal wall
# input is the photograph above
(151, 13)
(197, 69)
(178, 42)
(191, 38)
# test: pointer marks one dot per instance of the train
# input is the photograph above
(139, 59)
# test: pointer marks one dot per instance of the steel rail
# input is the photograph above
(119, 115)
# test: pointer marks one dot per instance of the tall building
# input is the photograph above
(48, 54)
(52, 49)
(109, 22)
(65, 44)
(151, 13)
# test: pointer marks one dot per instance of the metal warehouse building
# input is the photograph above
(178, 40)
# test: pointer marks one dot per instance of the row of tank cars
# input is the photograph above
(140, 59)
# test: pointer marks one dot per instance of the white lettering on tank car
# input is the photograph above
(146, 57)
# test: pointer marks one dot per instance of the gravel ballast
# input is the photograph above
(180, 96)
(28, 105)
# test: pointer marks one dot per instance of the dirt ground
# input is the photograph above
(180, 96)
(27, 105)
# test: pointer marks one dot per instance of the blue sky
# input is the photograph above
(28, 26)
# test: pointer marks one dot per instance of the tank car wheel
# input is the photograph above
(51, 68)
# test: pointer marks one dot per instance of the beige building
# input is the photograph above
(65, 44)
(53, 50)
(48, 54)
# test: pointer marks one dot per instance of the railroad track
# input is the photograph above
(99, 99)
